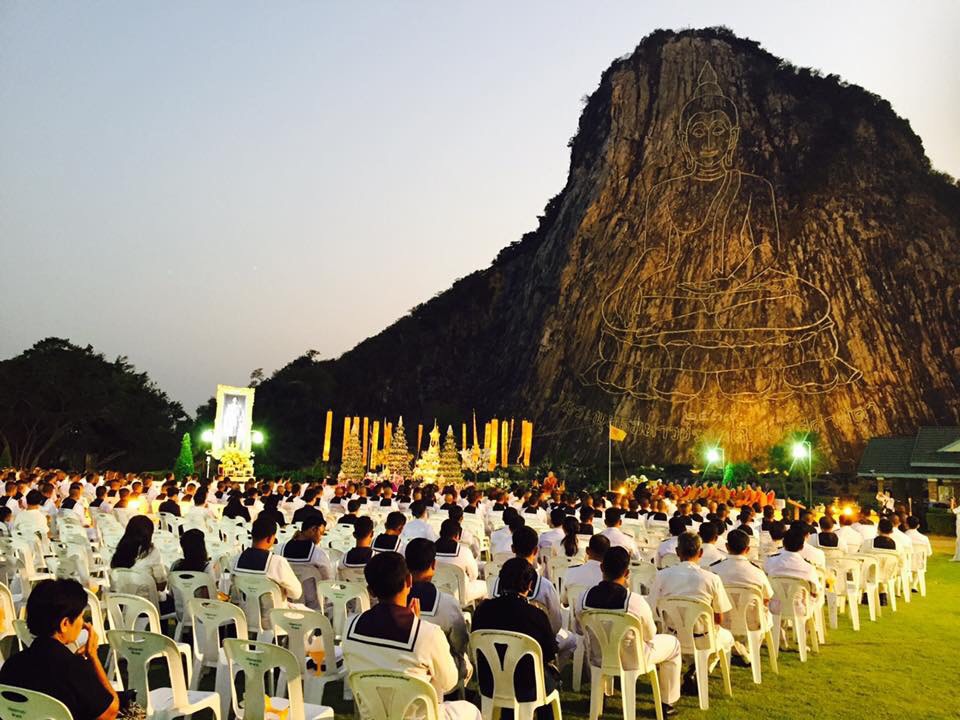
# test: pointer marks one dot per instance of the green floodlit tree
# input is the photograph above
(398, 456)
(184, 463)
(352, 466)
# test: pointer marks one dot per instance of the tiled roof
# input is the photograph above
(929, 443)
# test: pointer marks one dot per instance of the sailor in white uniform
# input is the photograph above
(451, 551)
(612, 593)
(393, 636)
(438, 607)
(259, 560)
(419, 527)
(790, 562)
(588, 574)
(613, 519)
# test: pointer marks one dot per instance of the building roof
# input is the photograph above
(934, 452)
(936, 446)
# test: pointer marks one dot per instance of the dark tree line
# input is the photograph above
(67, 406)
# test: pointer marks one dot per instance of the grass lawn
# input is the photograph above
(903, 666)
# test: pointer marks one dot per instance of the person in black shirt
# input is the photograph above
(235, 507)
(359, 555)
(270, 510)
(827, 537)
(884, 539)
(78, 680)
(389, 540)
(309, 508)
(351, 517)
(511, 611)
(101, 493)
(586, 520)
(170, 505)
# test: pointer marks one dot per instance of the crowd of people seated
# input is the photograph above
(434, 566)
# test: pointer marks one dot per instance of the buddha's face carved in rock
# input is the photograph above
(709, 140)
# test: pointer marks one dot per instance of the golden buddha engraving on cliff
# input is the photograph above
(706, 309)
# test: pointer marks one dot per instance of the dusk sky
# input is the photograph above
(214, 187)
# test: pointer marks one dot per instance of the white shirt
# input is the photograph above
(738, 570)
(31, 520)
(711, 554)
(501, 541)
(920, 542)
(417, 528)
(814, 555)
(587, 575)
(867, 532)
(424, 654)
(666, 547)
(794, 565)
(463, 559)
(634, 605)
(850, 538)
(550, 537)
(692, 581)
(618, 538)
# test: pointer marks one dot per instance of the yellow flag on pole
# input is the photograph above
(346, 436)
(366, 440)
(327, 432)
(504, 443)
(494, 437)
(616, 434)
(374, 445)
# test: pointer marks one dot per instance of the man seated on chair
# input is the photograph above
(689, 580)
(304, 547)
(170, 506)
(678, 527)
(613, 593)
(77, 679)
(390, 539)
(737, 569)
(555, 534)
(884, 539)
(613, 519)
(501, 539)
(811, 553)
(350, 517)
(258, 560)
(827, 537)
(524, 546)
(32, 519)
(438, 607)
(709, 532)
(467, 538)
(921, 543)
(512, 611)
(393, 636)
(308, 508)
(588, 574)
(359, 555)
(790, 562)
(418, 527)
(451, 551)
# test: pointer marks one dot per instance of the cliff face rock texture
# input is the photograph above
(742, 250)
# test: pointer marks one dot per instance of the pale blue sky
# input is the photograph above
(212, 187)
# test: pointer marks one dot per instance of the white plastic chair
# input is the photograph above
(692, 622)
(484, 643)
(132, 612)
(386, 695)
(749, 619)
(8, 612)
(888, 574)
(17, 703)
(206, 618)
(341, 595)
(184, 586)
(642, 575)
(162, 703)
(794, 604)
(579, 652)
(308, 575)
(301, 628)
(607, 630)
(253, 659)
(257, 595)
(97, 621)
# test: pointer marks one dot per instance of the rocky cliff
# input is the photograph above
(742, 250)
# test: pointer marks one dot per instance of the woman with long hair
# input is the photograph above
(235, 507)
(137, 552)
(569, 546)
(194, 548)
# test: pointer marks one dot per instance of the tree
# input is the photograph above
(451, 472)
(67, 406)
(351, 468)
(398, 455)
(184, 464)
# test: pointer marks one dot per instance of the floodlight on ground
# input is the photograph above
(714, 455)
(256, 437)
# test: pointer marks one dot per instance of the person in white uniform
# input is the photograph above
(790, 562)
(451, 551)
(393, 636)
(418, 526)
(588, 574)
(736, 568)
(689, 580)
(709, 533)
(612, 593)
(613, 519)
(955, 509)
(259, 560)
(436, 606)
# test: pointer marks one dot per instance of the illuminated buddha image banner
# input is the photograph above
(706, 309)
(233, 424)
